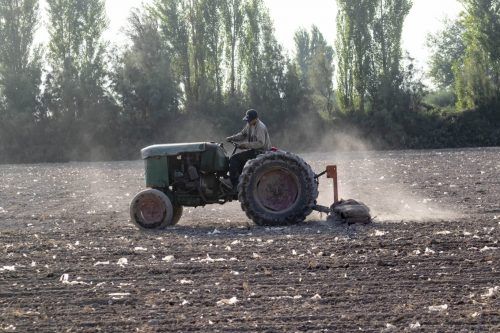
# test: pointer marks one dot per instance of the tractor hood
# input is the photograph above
(173, 149)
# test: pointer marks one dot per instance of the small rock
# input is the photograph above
(438, 308)
(168, 258)
(429, 251)
(415, 326)
(230, 301)
(122, 262)
(389, 327)
(491, 292)
(101, 263)
(316, 297)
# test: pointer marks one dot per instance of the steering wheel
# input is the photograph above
(231, 142)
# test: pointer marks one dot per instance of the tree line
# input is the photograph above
(191, 67)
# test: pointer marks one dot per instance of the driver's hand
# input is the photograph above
(242, 146)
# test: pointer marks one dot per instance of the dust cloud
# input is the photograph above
(388, 184)
(198, 130)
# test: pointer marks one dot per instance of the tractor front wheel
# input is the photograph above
(151, 209)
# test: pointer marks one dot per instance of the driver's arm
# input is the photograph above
(239, 136)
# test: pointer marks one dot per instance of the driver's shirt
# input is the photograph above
(256, 137)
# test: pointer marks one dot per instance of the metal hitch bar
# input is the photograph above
(331, 172)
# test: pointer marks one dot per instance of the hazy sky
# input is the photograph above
(426, 16)
(288, 15)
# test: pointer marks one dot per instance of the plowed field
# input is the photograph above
(71, 262)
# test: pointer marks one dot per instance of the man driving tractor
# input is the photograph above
(254, 138)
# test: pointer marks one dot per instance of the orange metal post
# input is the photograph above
(331, 172)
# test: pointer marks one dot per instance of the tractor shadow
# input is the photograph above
(312, 227)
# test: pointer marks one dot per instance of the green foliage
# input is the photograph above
(477, 73)
(192, 67)
(387, 76)
(447, 50)
(205, 37)
(175, 32)
(143, 79)
(20, 77)
(75, 89)
(315, 59)
(345, 54)
(262, 62)
(369, 54)
(473, 85)
(20, 61)
(232, 17)
(76, 55)
(483, 22)
(354, 41)
(442, 98)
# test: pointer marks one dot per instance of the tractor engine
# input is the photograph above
(189, 179)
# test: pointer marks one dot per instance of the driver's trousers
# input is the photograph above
(237, 162)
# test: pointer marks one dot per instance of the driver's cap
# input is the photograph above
(251, 115)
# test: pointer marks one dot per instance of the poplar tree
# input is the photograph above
(354, 40)
(263, 62)
(76, 93)
(233, 15)
(386, 75)
(478, 74)
(76, 57)
(20, 60)
(20, 80)
(144, 81)
(315, 59)
(369, 53)
(345, 58)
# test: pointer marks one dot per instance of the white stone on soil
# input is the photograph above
(168, 258)
(316, 297)
(122, 262)
(438, 308)
(491, 292)
(230, 301)
(7, 268)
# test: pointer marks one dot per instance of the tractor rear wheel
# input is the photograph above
(152, 209)
(277, 189)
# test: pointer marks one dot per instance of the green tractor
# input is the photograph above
(276, 188)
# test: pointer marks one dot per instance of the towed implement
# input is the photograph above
(276, 188)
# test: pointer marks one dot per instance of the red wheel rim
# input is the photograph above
(151, 209)
(277, 189)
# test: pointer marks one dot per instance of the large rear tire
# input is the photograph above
(151, 209)
(277, 189)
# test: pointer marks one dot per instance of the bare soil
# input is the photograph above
(71, 261)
